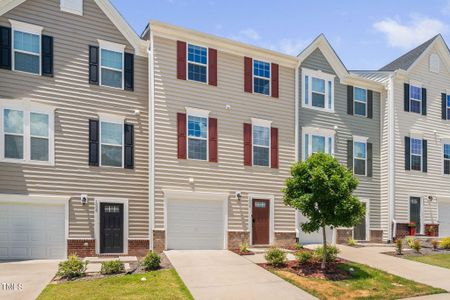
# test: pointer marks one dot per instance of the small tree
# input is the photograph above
(321, 189)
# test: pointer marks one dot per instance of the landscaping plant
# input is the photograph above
(416, 245)
(330, 253)
(112, 267)
(399, 246)
(298, 246)
(71, 268)
(275, 257)
(435, 244)
(445, 243)
(410, 241)
(243, 248)
(322, 190)
(303, 257)
(151, 261)
(351, 242)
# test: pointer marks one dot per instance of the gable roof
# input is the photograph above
(405, 61)
(109, 10)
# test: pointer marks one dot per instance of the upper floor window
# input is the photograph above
(26, 41)
(316, 140)
(111, 64)
(359, 157)
(447, 107)
(261, 145)
(416, 154)
(446, 158)
(318, 90)
(111, 144)
(261, 77)
(197, 137)
(415, 99)
(360, 101)
(197, 63)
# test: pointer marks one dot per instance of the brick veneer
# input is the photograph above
(285, 239)
(342, 235)
(402, 230)
(376, 236)
(138, 247)
(236, 238)
(82, 248)
(159, 240)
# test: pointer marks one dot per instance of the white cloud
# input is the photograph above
(408, 35)
(290, 46)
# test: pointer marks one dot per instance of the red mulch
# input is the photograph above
(238, 252)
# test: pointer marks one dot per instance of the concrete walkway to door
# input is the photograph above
(221, 274)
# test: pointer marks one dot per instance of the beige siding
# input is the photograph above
(229, 174)
(76, 102)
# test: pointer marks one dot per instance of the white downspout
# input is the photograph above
(296, 132)
(151, 140)
(391, 157)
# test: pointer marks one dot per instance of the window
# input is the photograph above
(416, 154)
(261, 145)
(197, 137)
(261, 77)
(359, 157)
(27, 135)
(360, 102)
(446, 158)
(26, 40)
(415, 99)
(316, 140)
(111, 144)
(448, 107)
(111, 64)
(318, 90)
(197, 63)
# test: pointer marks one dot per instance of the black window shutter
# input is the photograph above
(129, 71)
(447, 167)
(370, 104)
(424, 101)
(93, 142)
(424, 156)
(129, 146)
(47, 56)
(350, 154)
(407, 153)
(369, 159)
(93, 64)
(5, 48)
(406, 97)
(350, 99)
(444, 106)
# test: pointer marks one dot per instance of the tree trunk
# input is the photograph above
(324, 257)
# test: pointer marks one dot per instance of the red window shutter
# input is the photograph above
(212, 129)
(247, 144)
(274, 148)
(248, 75)
(181, 119)
(275, 82)
(212, 66)
(181, 60)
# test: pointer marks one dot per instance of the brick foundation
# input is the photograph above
(159, 240)
(285, 239)
(236, 238)
(402, 230)
(376, 236)
(138, 247)
(343, 235)
(82, 248)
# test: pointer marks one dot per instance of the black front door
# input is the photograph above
(111, 228)
(359, 232)
(414, 212)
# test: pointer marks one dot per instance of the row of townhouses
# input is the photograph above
(115, 143)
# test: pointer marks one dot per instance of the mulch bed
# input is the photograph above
(424, 251)
(238, 252)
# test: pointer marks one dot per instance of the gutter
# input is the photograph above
(296, 132)
(391, 158)
(151, 139)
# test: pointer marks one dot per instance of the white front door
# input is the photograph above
(444, 217)
(32, 231)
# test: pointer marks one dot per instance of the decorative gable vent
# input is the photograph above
(434, 63)
(72, 6)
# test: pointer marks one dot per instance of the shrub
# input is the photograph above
(416, 245)
(151, 261)
(351, 242)
(445, 243)
(73, 267)
(303, 257)
(112, 267)
(410, 241)
(435, 244)
(332, 253)
(243, 248)
(399, 246)
(275, 257)
(298, 246)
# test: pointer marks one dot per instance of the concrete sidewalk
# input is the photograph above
(221, 274)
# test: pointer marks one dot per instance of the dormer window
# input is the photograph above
(318, 90)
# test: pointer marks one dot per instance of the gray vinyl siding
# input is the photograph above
(384, 161)
(348, 126)
(229, 175)
(76, 102)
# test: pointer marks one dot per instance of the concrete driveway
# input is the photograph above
(221, 274)
(25, 280)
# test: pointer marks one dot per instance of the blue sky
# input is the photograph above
(365, 34)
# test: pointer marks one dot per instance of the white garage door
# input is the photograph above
(195, 224)
(32, 231)
(444, 218)
(314, 237)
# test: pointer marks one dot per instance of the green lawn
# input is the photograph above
(440, 260)
(364, 283)
(163, 284)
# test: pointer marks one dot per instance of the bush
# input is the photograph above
(445, 243)
(416, 245)
(399, 246)
(410, 241)
(351, 242)
(275, 257)
(332, 253)
(435, 244)
(112, 267)
(73, 267)
(303, 257)
(243, 248)
(298, 246)
(151, 261)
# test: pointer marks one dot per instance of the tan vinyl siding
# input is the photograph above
(76, 102)
(348, 126)
(229, 174)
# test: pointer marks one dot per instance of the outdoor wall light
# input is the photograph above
(239, 195)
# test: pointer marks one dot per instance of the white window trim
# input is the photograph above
(261, 77)
(199, 113)
(265, 124)
(319, 75)
(417, 85)
(28, 107)
(115, 47)
(196, 63)
(31, 29)
(108, 118)
(362, 140)
(355, 100)
(411, 153)
(310, 131)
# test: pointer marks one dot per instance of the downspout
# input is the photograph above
(151, 140)
(391, 158)
(296, 132)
